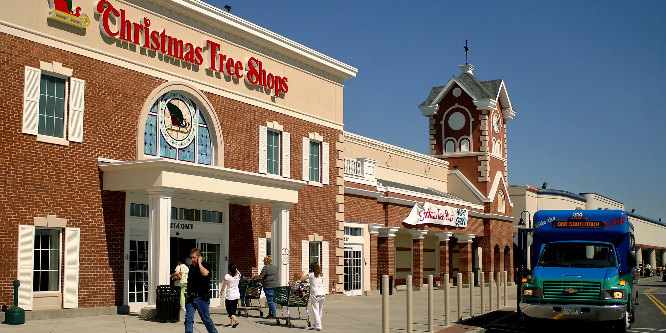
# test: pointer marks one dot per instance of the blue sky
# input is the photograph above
(587, 79)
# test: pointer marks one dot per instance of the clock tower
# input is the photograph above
(468, 128)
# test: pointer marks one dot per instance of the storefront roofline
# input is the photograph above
(159, 173)
(262, 34)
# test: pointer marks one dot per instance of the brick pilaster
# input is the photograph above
(443, 260)
(465, 260)
(385, 256)
(417, 268)
(374, 276)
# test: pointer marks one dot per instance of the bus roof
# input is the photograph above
(594, 225)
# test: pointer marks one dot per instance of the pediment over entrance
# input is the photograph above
(239, 187)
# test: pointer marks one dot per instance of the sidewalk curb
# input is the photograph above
(461, 327)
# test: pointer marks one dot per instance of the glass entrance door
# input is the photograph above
(353, 270)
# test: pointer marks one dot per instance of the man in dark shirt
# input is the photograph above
(198, 293)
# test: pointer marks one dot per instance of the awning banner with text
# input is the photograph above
(425, 213)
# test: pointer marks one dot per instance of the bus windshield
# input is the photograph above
(578, 255)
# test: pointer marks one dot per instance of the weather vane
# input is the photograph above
(466, 51)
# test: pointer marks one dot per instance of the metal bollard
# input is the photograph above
(447, 309)
(483, 288)
(506, 297)
(490, 291)
(471, 294)
(385, 304)
(431, 305)
(410, 313)
(459, 288)
(499, 280)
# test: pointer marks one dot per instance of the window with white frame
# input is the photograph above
(315, 159)
(314, 253)
(53, 104)
(46, 272)
(274, 150)
(273, 153)
(450, 146)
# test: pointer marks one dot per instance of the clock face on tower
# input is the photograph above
(496, 123)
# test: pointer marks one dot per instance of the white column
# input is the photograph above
(280, 239)
(663, 258)
(224, 256)
(159, 244)
(652, 258)
(639, 255)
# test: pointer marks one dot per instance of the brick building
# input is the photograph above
(138, 130)
(391, 193)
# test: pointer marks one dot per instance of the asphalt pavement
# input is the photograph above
(650, 314)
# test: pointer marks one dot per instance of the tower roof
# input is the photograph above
(485, 93)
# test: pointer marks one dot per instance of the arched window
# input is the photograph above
(501, 203)
(176, 129)
(497, 147)
(450, 146)
(464, 144)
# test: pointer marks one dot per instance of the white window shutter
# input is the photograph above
(31, 90)
(261, 254)
(305, 255)
(71, 276)
(26, 252)
(286, 154)
(306, 159)
(324, 265)
(76, 105)
(324, 163)
(263, 149)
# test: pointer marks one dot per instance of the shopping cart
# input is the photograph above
(295, 296)
(250, 289)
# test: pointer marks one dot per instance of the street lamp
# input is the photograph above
(522, 246)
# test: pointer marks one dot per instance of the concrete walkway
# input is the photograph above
(353, 314)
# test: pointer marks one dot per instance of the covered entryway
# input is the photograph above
(168, 184)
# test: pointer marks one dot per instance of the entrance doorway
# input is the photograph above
(353, 270)
(180, 249)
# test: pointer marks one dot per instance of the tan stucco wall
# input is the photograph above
(548, 202)
(402, 166)
(309, 92)
(595, 201)
(523, 200)
(648, 233)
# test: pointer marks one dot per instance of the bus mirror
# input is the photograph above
(631, 258)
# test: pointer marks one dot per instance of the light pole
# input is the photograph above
(522, 245)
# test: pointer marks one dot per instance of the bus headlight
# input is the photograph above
(614, 294)
(527, 292)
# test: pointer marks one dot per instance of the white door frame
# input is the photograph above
(356, 247)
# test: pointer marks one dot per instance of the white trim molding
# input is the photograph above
(443, 236)
(417, 234)
(388, 231)
(464, 238)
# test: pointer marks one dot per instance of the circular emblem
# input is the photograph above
(176, 117)
(456, 121)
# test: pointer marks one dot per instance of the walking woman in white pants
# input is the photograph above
(317, 292)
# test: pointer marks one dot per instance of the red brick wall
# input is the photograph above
(42, 179)
(417, 268)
